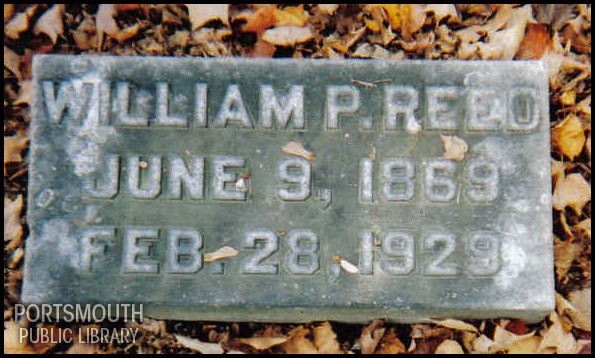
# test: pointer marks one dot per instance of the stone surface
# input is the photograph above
(286, 190)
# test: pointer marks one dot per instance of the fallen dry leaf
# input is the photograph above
(325, 339)
(504, 44)
(50, 23)
(13, 146)
(565, 252)
(291, 16)
(581, 301)
(12, 219)
(449, 346)
(287, 35)
(297, 343)
(8, 11)
(328, 9)
(454, 148)
(199, 346)
(347, 266)
(390, 344)
(296, 148)
(82, 348)
(406, 18)
(457, 325)
(222, 253)
(529, 345)
(371, 336)
(260, 343)
(261, 19)
(19, 23)
(557, 337)
(569, 136)
(504, 339)
(483, 345)
(24, 93)
(442, 11)
(573, 191)
(105, 22)
(12, 61)
(200, 14)
(535, 43)
(12, 341)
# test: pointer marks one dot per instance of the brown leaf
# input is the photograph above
(105, 22)
(457, 325)
(569, 136)
(296, 148)
(287, 35)
(297, 343)
(201, 14)
(557, 337)
(572, 191)
(390, 344)
(516, 326)
(529, 345)
(449, 346)
(198, 346)
(325, 339)
(13, 146)
(454, 148)
(12, 220)
(371, 336)
(581, 301)
(12, 342)
(505, 43)
(442, 11)
(222, 253)
(536, 42)
(82, 348)
(259, 343)
(50, 23)
(24, 93)
(12, 61)
(19, 23)
(261, 19)
(565, 252)
(262, 49)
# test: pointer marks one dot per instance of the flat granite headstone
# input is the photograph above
(291, 190)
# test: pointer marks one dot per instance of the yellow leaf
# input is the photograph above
(454, 148)
(12, 219)
(456, 324)
(19, 23)
(291, 16)
(370, 336)
(200, 14)
(325, 339)
(50, 23)
(449, 347)
(581, 301)
(287, 35)
(222, 253)
(297, 343)
(12, 341)
(557, 337)
(529, 345)
(372, 25)
(569, 136)
(564, 254)
(568, 98)
(8, 11)
(573, 191)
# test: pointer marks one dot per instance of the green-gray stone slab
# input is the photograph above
(505, 270)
